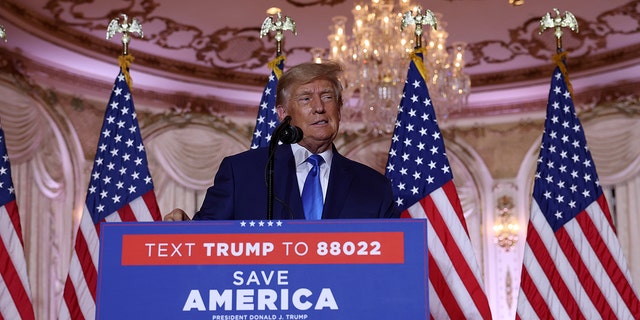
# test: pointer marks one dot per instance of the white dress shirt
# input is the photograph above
(303, 167)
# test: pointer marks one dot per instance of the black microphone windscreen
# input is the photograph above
(291, 134)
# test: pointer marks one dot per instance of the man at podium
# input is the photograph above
(311, 180)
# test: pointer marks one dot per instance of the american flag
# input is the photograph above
(423, 188)
(267, 119)
(15, 293)
(120, 189)
(573, 265)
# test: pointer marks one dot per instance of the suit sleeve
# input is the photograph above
(218, 201)
(388, 208)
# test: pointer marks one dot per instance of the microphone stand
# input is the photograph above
(272, 147)
(288, 134)
(270, 177)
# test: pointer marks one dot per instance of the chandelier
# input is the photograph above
(506, 226)
(376, 58)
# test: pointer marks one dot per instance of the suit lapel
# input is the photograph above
(339, 184)
(285, 186)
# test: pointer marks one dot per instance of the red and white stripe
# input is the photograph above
(15, 293)
(578, 272)
(80, 288)
(455, 287)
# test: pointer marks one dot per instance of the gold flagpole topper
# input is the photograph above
(3, 33)
(279, 26)
(559, 22)
(419, 20)
(125, 28)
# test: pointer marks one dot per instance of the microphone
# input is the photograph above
(288, 134)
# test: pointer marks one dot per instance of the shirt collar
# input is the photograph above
(301, 154)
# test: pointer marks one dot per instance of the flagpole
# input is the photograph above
(126, 28)
(557, 23)
(276, 24)
(419, 20)
(267, 118)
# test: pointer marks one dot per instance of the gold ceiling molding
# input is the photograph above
(63, 33)
(586, 100)
(591, 103)
(17, 70)
(24, 70)
(526, 41)
(592, 106)
(229, 54)
(309, 3)
(585, 48)
(575, 65)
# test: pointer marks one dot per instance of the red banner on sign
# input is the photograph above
(278, 248)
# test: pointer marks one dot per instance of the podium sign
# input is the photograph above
(232, 270)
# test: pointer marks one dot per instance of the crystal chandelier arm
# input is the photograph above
(375, 54)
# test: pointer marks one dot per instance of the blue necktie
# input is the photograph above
(312, 190)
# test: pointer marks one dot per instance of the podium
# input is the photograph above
(293, 269)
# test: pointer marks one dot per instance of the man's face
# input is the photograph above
(314, 108)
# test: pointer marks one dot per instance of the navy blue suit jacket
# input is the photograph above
(239, 191)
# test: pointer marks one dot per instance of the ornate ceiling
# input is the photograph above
(213, 49)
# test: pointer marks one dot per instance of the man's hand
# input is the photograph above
(176, 215)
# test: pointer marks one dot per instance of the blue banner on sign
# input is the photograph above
(231, 270)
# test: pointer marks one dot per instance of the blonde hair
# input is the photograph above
(305, 73)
